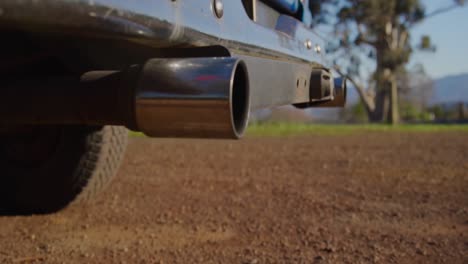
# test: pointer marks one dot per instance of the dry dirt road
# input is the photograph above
(367, 198)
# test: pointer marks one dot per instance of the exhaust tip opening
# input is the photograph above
(240, 102)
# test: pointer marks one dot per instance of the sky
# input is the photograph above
(449, 33)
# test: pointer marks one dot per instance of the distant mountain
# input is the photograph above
(450, 89)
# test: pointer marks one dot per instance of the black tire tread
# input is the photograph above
(101, 162)
(85, 161)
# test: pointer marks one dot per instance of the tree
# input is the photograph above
(378, 30)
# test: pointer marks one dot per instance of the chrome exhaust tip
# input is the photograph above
(194, 98)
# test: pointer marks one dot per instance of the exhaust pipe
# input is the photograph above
(197, 97)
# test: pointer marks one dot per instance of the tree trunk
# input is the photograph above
(381, 107)
(386, 98)
(394, 116)
(382, 100)
(386, 105)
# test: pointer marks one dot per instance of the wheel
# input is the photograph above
(45, 168)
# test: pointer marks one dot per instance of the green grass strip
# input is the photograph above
(291, 129)
(295, 129)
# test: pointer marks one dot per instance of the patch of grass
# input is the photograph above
(295, 129)
(136, 134)
(291, 129)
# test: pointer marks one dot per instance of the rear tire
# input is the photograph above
(45, 168)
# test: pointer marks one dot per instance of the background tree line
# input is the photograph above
(378, 32)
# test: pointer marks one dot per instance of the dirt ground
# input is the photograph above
(364, 198)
